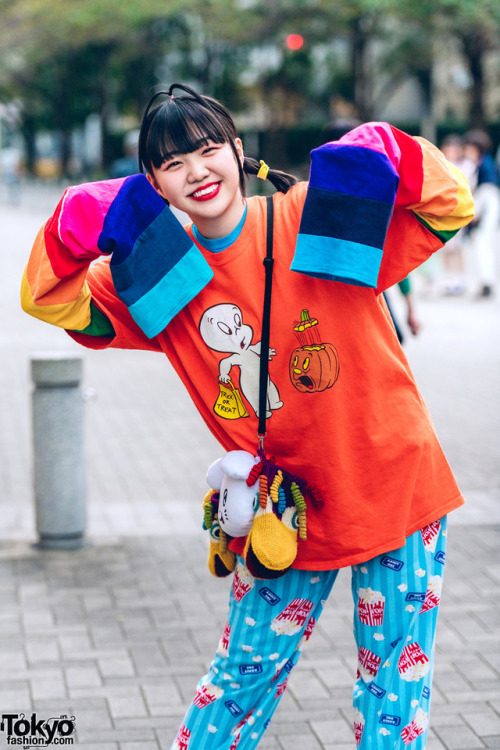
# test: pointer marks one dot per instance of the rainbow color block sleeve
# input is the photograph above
(356, 183)
(155, 267)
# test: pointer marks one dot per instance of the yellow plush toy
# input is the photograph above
(221, 561)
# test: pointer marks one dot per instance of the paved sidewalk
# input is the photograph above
(118, 633)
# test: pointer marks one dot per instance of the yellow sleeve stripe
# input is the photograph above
(72, 315)
(450, 207)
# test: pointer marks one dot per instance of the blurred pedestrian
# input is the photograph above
(128, 164)
(486, 224)
(452, 254)
(11, 169)
(358, 477)
(411, 318)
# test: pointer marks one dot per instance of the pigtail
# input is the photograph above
(282, 181)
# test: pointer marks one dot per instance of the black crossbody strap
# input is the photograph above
(266, 320)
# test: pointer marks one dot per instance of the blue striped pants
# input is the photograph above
(396, 597)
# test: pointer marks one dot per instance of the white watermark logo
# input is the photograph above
(31, 731)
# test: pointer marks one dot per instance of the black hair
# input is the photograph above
(480, 139)
(452, 139)
(182, 124)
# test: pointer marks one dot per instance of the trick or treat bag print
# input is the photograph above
(229, 404)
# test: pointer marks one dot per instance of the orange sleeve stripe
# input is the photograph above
(45, 287)
(448, 202)
(74, 315)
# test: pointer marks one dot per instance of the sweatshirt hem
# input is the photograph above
(364, 556)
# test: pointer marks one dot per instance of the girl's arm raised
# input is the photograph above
(155, 267)
(54, 287)
(379, 203)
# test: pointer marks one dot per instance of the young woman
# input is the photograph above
(343, 410)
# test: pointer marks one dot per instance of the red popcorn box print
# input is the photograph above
(242, 723)
(410, 733)
(280, 689)
(277, 669)
(243, 582)
(309, 628)
(413, 663)
(431, 600)
(371, 605)
(433, 593)
(368, 664)
(293, 617)
(236, 742)
(415, 728)
(307, 632)
(430, 535)
(182, 740)
(206, 694)
(223, 647)
(359, 725)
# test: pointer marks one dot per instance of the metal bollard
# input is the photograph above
(59, 451)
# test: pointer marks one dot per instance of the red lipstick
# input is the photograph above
(206, 192)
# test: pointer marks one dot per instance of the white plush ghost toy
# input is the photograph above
(237, 500)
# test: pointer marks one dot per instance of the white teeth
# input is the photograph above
(205, 191)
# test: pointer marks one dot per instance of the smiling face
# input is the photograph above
(222, 329)
(205, 184)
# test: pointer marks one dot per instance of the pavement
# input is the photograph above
(115, 635)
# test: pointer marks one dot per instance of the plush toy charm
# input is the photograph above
(271, 546)
(237, 500)
(256, 498)
(221, 560)
(228, 508)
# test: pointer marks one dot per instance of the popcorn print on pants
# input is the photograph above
(395, 648)
(243, 582)
(415, 728)
(223, 647)
(280, 689)
(430, 535)
(371, 606)
(293, 617)
(413, 663)
(368, 664)
(181, 742)
(433, 593)
(307, 633)
(237, 730)
(359, 725)
(206, 694)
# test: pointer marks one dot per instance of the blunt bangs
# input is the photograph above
(182, 126)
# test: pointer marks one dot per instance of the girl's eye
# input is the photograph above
(170, 164)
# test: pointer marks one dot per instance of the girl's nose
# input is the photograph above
(198, 169)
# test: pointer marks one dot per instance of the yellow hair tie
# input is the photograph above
(263, 171)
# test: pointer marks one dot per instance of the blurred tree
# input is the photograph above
(354, 24)
(474, 24)
(67, 59)
(410, 55)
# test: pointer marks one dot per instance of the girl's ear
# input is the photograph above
(238, 143)
(153, 182)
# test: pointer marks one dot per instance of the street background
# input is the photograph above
(118, 633)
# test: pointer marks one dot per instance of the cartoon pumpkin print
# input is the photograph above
(314, 366)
